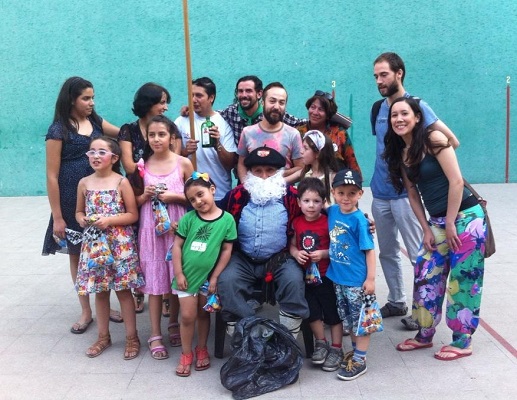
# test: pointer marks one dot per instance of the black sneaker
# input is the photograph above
(389, 310)
(410, 323)
(352, 370)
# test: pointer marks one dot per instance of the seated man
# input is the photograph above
(263, 208)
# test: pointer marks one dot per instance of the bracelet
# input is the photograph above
(219, 147)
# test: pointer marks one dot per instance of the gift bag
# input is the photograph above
(370, 319)
(213, 304)
(312, 275)
(97, 248)
(161, 217)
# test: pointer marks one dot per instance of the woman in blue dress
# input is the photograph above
(67, 140)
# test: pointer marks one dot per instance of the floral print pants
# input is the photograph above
(464, 268)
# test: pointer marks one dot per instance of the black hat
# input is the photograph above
(348, 177)
(264, 156)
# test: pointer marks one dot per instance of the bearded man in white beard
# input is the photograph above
(263, 208)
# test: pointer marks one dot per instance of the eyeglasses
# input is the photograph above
(327, 95)
(100, 153)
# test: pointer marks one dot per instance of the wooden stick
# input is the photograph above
(189, 78)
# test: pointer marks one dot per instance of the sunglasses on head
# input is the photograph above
(327, 95)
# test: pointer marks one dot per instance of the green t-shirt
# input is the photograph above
(203, 240)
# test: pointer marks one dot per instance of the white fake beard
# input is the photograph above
(264, 190)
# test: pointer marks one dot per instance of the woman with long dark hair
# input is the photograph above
(451, 258)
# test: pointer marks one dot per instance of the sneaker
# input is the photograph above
(352, 370)
(410, 323)
(348, 356)
(333, 360)
(321, 351)
(389, 310)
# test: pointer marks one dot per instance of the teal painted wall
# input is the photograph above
(458, 55)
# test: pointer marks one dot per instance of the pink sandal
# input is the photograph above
(174, 338)
(202, 355)
(158, 349)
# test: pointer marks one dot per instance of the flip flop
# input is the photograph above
(455, 351)
(78, 328)
(116, 317)
(412, 344)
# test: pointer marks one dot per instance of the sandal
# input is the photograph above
(412, 344)
(202, 359)
(185, 363)
(132, 347)
(139, 302)
(116, 317)
(156, 350)
(166, 308)
(174, 338)
(102, 343)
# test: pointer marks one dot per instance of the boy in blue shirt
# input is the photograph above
(352, 264)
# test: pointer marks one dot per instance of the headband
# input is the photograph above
(317, 137)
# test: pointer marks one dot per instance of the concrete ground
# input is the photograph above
(40, 358)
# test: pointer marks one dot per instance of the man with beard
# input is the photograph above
(391, 210)
(272, 132)
(248, 109)
(264, 208)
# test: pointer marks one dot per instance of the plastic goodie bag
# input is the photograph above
(213, 304)
(265, 358)
(161, 217)
(312, 275)
(370, 318)
(99, 253)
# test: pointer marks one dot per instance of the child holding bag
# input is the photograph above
(201, 250)
(163, 172)
(108, 259)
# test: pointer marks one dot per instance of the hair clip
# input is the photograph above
(140, 165)
(201, 175)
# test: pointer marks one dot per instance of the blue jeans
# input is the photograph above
(392, 216)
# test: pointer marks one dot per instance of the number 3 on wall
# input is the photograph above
(333, 84)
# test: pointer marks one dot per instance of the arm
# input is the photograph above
(301, 256)
(172, 197)
(293, 121)
(418, 209)
(440, 126)
(449, 163)
(226, 157)
(294, 177)
(224, 258)
(53, 164)
(297, 166)
(241, 169)
(181, 281)
(369, 283)
(127, 156)
(80, 205)
(110, 129)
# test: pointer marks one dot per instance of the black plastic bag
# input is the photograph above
(265, 358)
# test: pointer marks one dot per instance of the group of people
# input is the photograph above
(223, 239)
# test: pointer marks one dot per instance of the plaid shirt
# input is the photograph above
(237, 123)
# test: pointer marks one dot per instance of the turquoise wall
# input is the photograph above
(458, 56)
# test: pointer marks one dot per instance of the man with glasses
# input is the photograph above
(391, 210)
(271, 131)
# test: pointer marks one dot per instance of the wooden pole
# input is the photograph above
(189, 78)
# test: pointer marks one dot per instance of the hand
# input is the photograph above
(59, 228)
(149, 191)
(429, 242)
(214, 132)
(452, 238)
(369, 286)
(371, 222)
(302, 257)
(102, 223)
(316, 255)
(191, 146)
(184, 111)
(212, 285)
(182, 282)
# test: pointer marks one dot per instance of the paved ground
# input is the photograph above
(39, 358)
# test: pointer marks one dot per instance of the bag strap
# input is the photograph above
(472, 190)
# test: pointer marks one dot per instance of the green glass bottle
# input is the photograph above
(206, 139)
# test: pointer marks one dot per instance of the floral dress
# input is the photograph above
(125, 272)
